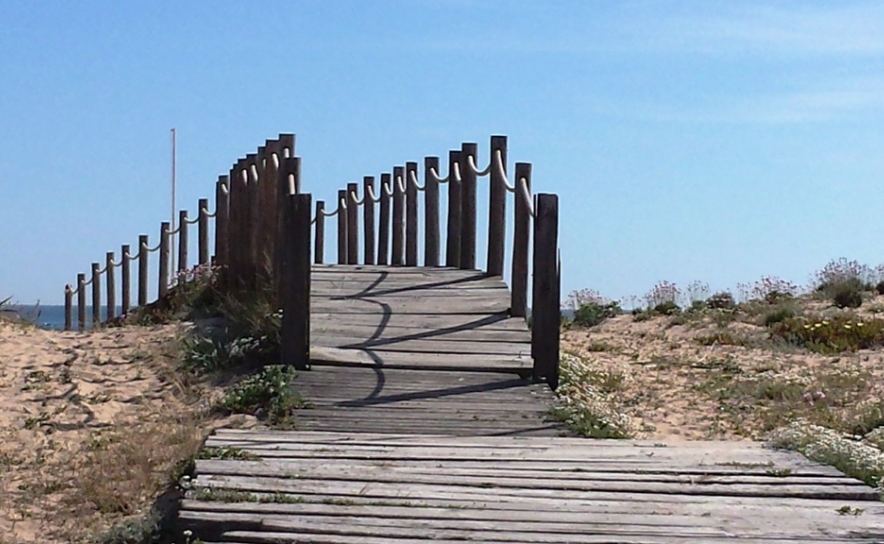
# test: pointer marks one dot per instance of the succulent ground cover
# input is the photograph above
(799, 368)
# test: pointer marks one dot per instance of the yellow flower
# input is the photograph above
(860, 324)
(847, 327)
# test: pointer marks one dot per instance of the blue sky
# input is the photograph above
(719, 141)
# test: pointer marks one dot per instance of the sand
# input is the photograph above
(65, 398)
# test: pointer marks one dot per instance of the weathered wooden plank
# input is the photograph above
(412, 305)
(426, 346)
(623, 525)
(441, 361)
(792, 514)
(455, 475)
(480, 491)
(499, 321)
(345, 331)
(383, 292)
(384, 270)
(301, 537)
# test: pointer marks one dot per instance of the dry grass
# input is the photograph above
(97, 428)
(716, 374)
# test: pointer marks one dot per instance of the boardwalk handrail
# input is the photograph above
(255, 233)
(396, 240)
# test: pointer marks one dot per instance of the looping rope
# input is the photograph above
(174, 232)
(357, 201)
(412, 177)
(447, 178)
(130, 257)
(211, 215)
(225, 189)
(193, 221)
(471, 162)
(526, 196)
(152, 249)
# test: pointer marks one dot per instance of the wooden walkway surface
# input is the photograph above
(425, 428)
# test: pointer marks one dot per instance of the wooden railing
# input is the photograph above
(267, 232)
(391, 237)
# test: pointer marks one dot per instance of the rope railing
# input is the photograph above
(471, 162)
(446, 179)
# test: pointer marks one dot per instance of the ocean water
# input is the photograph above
(52, 316)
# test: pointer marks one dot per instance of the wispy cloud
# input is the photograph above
(841, 102)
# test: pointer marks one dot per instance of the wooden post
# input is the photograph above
(384, 221)
(111, 286)
(81, 302)
(368, 248)
(165, 254)
(431, 212)
(68, 306)
(222, 220)
(468, 208)
(288, 182)
(545, 314)
(183, 242)
(270, 162)
(295, 332)
(411, 214)
(203, 231)
(252, 225)
(452, 242)
(397, 258)
(521, 240)
(319, 244)
(96, 296)
(236, 231)
(496, 208)
(342, 227)
(352, 223)
(126, 283)
(142, 270)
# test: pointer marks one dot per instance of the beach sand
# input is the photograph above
(90, 426)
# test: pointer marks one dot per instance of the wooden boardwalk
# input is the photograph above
(424, 427)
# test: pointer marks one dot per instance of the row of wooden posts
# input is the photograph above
(265, 227)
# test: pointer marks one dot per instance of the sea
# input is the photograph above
(52, 316)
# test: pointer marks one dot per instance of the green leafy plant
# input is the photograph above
(592, 313)
(721, 301)
(848, 294)
(267, 395)
(831, 335)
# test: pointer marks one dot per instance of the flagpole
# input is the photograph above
(172, 238)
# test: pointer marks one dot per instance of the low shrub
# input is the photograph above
(832, 335)
(721, 301)
(779, 315)
(267, 395)
(667, 308)
(848, 294)
(592, 313)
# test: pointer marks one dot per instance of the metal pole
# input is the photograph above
(172, 241)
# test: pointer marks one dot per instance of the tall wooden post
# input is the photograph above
(252, 226)
(295, 335)
(452, 242)
(96, 296)
(319, 244)
(111, 286)
(270, 163)
(142, 270)
(496, 208)
(468, 208)
(236, 231)
(521, 239)
(126, 283)
(397, 258)
(81, 302)
(384, 221)
(222, 220)
(68, 306)
(165, 255)
(411, 233)
(431, 212)
(546, 311)
(368, 248)
(183, 241)
(342, 226)
(288, 182)
(352, 224)
(203, 231)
